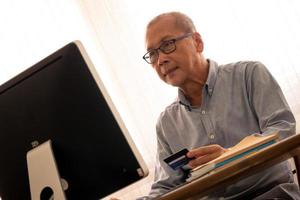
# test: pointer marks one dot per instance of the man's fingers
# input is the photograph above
(204, 154)
(201, 151)
(204, 159)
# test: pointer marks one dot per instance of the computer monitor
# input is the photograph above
(62, 99)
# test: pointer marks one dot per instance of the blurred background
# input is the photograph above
(112, 32)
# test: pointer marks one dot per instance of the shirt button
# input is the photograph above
(203, 112)
(212, 136)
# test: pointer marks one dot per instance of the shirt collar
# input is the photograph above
(209, 85)
(212, 76)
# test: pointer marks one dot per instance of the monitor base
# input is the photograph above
(44, 179)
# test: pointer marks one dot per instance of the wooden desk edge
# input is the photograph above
(244, 167)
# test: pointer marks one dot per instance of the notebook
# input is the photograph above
(246, 146)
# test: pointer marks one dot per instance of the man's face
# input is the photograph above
(175, 68)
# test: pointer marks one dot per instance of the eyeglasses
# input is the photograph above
(166, 47)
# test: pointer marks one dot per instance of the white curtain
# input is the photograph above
(113, 33)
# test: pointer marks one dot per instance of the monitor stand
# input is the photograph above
(44, 179)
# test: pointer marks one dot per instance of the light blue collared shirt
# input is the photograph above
(238, 99)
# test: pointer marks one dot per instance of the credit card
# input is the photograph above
(178, 160)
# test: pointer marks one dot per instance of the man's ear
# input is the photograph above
(198, 42)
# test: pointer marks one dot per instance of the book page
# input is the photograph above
(244, 145)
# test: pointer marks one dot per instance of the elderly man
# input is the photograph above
(217, 106)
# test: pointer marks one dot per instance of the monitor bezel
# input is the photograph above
(54, 56)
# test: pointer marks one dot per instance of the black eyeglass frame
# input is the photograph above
(173, 40)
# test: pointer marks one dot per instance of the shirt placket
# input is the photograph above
(206, 119)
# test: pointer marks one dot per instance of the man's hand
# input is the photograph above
(204, 154)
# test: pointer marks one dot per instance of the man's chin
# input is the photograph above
(174, 83)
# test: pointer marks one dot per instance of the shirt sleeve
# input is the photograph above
(165, 178)
(268, 102)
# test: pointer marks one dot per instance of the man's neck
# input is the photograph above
(193, 90)
(194, 96)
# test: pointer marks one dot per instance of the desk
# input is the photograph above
(237, 170)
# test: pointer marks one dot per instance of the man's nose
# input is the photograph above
(162, 58)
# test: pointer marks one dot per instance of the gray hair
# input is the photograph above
(182, 21)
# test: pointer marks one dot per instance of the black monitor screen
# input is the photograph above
(62, 99)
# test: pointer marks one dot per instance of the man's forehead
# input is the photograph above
(160, 31)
